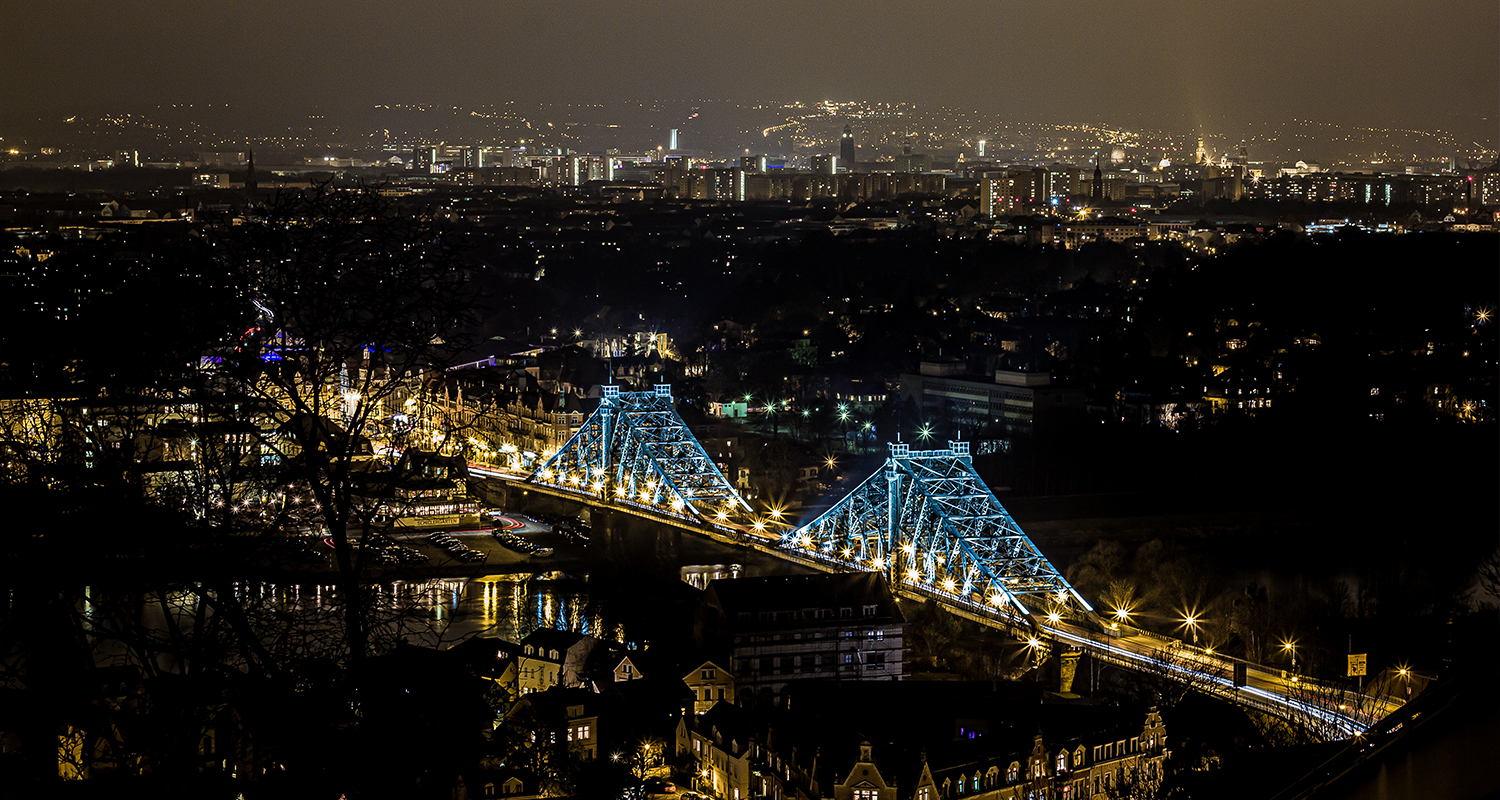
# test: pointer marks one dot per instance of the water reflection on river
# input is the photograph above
(602, 600)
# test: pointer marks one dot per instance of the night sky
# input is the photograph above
(1363, 62)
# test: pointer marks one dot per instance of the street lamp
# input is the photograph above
(1290, 646)
(1192, 623)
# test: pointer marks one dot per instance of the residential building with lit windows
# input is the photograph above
(782, 629)
(969, 741)
(568, 717)
(710, 684)
(553, 658)
(728, 757)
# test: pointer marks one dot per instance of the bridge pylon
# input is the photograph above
(933, 526)
(635, 451)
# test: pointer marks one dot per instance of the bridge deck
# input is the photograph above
(1330, 710)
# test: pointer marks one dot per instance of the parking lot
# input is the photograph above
(532, 545)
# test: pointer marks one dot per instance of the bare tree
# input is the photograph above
(285, 420)
(358, 303)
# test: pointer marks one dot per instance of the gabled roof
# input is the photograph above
(551, 638)
(704, 664)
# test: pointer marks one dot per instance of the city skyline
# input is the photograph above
(767, 401)
(1345, 63)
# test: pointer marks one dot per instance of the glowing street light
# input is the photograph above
(925, 432)
(1192, 623)
(1290, 646)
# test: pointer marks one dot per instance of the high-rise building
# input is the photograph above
(998, 194)
(846, 146)
(753, 163)
(913, 162)
(825, 164)
(423, 158)
(981, 148)
(672, 139)
(473, 157)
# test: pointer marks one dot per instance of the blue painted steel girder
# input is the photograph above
(637, 451)
(942, 532)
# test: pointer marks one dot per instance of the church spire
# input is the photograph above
(251, 186)
(1098, 193)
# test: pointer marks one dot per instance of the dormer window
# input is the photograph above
(1013, 772)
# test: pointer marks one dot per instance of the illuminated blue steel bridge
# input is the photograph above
(933, 526)
(928, 522)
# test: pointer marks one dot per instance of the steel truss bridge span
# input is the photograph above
(930, 524)
(928, 520)
(635, 452)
